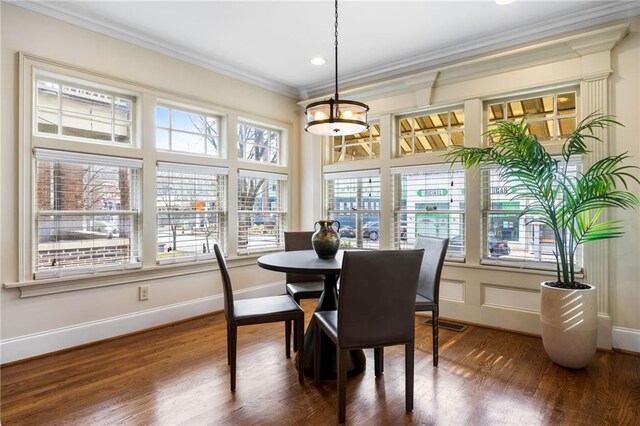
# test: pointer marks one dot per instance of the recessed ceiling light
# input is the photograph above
(504, 2)
(318, 61)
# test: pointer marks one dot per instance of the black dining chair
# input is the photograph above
(428, 294)
(301, 286)
(258, 310)
(376, 309)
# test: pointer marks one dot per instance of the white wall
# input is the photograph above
(625, 253)
(24, 320)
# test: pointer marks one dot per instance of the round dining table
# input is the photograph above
(308, 262)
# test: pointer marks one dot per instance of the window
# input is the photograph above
(195, 133)
(86, 213)
(429, 201)
(191, 206)
(73, 111)
(510, 238)
(550, 117)
(353, 199)
(360, 146)
(262, 217)
(259, 144)
(427, 132)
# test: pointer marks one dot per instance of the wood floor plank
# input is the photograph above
(178, 375)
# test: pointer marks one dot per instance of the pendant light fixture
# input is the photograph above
(335, 116)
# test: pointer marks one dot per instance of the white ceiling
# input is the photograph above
(270, 43)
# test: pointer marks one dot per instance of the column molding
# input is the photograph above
(595, 98)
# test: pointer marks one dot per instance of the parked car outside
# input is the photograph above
(497, 247)
(347, 232)
(108, 228)
(371, 230)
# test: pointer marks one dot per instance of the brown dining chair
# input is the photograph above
(428, 294)
(376, 309)
(301, 286)
(258, 310)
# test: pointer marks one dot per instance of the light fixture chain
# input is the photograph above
(336, 45)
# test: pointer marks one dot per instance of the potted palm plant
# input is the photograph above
(571, 206)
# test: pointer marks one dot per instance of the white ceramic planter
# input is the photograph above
(569, 325)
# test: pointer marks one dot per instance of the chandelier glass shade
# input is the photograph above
(335, 116)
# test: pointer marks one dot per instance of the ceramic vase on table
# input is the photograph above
(326, 239)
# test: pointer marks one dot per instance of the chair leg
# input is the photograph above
(295, 336)
(287, 338)
(434, 333)
(228, 344)
(300, 335)
(234, 347)
(408, 360)
(342, 384)
(317, 342)
(378, 360)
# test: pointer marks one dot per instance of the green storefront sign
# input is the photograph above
(432, 192)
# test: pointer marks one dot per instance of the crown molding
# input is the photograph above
(53, 10)
(422, 83)
(373, 77)
(416, 82)
(593, 17)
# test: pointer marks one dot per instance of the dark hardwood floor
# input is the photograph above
(179, 375)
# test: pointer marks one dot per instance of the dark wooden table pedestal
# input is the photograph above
(307, 262)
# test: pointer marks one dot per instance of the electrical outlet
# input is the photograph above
(143, 292)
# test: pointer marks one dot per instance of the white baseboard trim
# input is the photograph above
(31, 345)
(627, 339)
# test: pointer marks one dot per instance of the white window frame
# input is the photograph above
(147, 97)
(281, 180)
(94, 160)
(426, 170)
(30, 140)
(485, 255)
(360, 212)
(367, 142)
(399, 139)
(195, 172)
(189, 110)
(282, 143)
(554, 92)
(65, 80)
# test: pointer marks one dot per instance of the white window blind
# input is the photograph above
(76, 111)
(86, 214)
(353, 199)
(259, 144)
(262, 217)
(512, 239)
(429, 201)
(186, 131)
(191, 211)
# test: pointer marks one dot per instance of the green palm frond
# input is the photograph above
(571, 206)
(585, 130)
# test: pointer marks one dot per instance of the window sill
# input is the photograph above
(488, 265)
(44, 287)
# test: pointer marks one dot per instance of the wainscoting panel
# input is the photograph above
(453, 291)
(510, 298)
